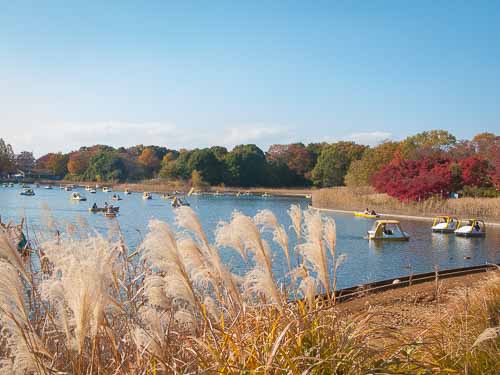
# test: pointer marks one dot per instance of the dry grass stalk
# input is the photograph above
(174, 307)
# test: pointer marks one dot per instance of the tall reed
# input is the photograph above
(173, 305)
(358, 199)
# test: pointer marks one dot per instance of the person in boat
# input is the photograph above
(114, 196)
(23, 242)
(477, 228)
(366, 211)
(105, 204)
(94, 206)
(373, 213)
(386, 230)
(175, 202)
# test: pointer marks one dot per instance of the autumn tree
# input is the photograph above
(426, 144)
(415, 179)
(314, 150)
(197, 180)
(476, 171)
(485, 144)
(78, 162)
(149, 161)
(296, 157)
(57, 164)
(360, 171)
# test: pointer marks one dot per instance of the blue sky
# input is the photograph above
(194, 74)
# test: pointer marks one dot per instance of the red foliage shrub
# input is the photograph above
(476, 171)
(415, 179)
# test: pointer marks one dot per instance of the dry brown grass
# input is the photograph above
(173, 306)
(359, 199)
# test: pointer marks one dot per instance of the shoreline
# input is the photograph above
(411, 281)
(164, 187)
(409, 217)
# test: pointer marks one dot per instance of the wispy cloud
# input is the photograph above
(369, 138)
(71, 136)
(251, 133)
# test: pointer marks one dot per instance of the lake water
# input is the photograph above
(366, 261)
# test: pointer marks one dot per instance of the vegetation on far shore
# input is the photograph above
(422, 166)
(172, 306)
(356, 199)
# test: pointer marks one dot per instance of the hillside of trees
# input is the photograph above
(423, 165)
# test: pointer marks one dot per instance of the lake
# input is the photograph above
(366, 261)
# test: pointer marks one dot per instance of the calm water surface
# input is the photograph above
(366, 262)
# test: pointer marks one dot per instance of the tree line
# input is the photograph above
(422, 165)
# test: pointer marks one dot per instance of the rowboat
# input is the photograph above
(388, 230)
(77, 197)
(27, 192)
(103, 209)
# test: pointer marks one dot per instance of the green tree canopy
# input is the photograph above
(426, 143)
(105, 166)
(334, 161)
(207, 164)
(219, 152)
(246, 166)
(6, 157)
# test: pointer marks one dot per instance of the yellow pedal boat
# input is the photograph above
(471, 228)
(444, 224)
(367, 216)
(388, 230)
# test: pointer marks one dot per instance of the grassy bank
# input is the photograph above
(359, 199)
(172, 306)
